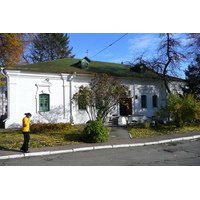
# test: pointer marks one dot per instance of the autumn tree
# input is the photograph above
(50, 46)
(101, 96)
(181, 109)
(11, 49)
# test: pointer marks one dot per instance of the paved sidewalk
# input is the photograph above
(119, 137)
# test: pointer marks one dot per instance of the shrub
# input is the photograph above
(96, 132)
(43, 128)
(182, 109)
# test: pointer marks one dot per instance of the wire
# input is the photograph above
(110, 45)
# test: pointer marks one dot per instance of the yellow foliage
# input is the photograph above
(177, 106)
(11, 48)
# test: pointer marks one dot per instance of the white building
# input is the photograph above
(45, 90)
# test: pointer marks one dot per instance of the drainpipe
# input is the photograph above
(134, 99)
(71, 78)
(8, 96)
(64, 112)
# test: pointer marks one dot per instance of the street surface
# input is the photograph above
(182, 153)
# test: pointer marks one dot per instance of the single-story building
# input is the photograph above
(46, 89)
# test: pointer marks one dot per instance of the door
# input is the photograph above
(126, 110)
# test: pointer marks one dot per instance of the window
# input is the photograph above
(155, 101)
(6, 94)
(98, 104)
(43, 102)
(144, 101)
(81, 105)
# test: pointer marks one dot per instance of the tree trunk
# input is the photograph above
(166, 65)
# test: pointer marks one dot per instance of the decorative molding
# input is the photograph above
(43, 87)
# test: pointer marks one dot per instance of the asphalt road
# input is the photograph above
(183, 153)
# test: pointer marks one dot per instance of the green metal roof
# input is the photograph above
(68, 65)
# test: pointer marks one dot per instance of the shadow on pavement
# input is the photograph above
(6, 149)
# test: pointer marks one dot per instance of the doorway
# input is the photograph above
(126, 110)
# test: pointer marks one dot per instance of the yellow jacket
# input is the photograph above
(25, 125)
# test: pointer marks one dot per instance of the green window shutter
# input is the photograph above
(144, 101)
(44, 102)
(155, 101)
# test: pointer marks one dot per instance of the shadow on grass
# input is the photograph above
(75, 136)
(165, 128)
(78, 136)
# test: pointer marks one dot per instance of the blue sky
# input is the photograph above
(124, 50)
(93, 25)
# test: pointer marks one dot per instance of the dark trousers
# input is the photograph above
(26, 141)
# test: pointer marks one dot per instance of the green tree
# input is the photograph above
(50, 46)
(101, 96)
(193, 79)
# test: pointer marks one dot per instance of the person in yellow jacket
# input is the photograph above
(25, 131)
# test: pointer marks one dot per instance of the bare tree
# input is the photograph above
(167, 58)
(26, 45)
(170, 56)
(193, 44)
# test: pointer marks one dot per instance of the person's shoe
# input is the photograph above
(27, 152)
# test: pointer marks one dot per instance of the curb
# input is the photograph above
(97, 147)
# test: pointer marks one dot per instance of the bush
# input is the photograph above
(44, 128)
(96, 132)
(182, 109)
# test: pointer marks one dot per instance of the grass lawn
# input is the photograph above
(14, 139)
(139, 132)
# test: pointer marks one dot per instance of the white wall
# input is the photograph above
(23, 92)
(24, 89)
